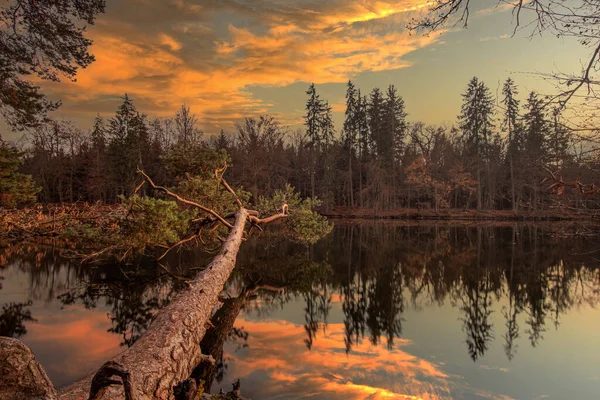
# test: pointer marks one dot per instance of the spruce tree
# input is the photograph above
(375, 113)
(558, 141)
(394, 126)
(476, 118)
(15, 188)
(536, 128)
(313, 118)
(326, 126)
(510, 116)
(350, 133)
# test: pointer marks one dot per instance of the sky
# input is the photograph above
(230, 59)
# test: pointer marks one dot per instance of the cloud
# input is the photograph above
(276, 363)
(277, 350)
(491, 38)
(208, 53)
(80, 334)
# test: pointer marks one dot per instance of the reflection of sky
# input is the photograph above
(229, 59)
(430, 362)
(71, 343)
(277, 364)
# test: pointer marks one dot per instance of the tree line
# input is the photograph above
(496, 156)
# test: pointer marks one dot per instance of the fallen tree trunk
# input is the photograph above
(169, 351)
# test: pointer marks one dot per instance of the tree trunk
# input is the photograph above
(351, 179)
(512, 184)
(23, 378)
(168, 352)
(478, 188)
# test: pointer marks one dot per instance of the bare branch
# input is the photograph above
(221, 180)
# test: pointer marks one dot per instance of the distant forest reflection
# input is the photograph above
(531, 274)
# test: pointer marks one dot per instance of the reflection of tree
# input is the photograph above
(316, 311)
(287, 265)
(510, 314)
(378, 266)
(223, 329)
(12, 319)
(215, 338)
(134, 302)
(477, 306)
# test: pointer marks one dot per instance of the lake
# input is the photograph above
(374, 310)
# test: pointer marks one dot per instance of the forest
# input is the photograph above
(501, 154)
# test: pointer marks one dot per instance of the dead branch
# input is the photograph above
(221, 180)
(558, 186)
(256, 220)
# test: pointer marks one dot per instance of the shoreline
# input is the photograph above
(462, 215)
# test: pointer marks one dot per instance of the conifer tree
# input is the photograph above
(326, 126)
(15, 188)
(350, 133)
(375, 112)
(476, 118)
(313, 118)
(97, 171)
(536, 128)
(129, 145)
(558, 141)
(510, 116)
(44, 39)
(394, 129)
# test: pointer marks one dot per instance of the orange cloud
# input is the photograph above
(79, 336)
(188, 56)
(276, 348)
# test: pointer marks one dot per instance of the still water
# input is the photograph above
(375, 310)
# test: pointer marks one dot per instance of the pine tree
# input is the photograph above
(363, 129)
(326, 126)
(120, 125)
(394, 129)
(350, 133)
(375, 112)
(222, 142)
(536, 128)
(476, 118)
(98, 134)
(510, 117)
(313, 118)
(97, 171)
(15, 188)
(129, 146)
(43, 39)
(558, 141)
(511, 123)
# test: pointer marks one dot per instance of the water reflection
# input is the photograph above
(337, 318)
